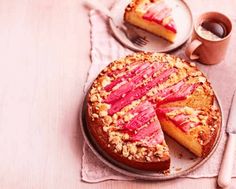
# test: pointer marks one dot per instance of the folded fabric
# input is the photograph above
(106, 49)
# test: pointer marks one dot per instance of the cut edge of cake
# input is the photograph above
(164, 27)
(198, 134)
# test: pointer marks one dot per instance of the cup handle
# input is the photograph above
(191, 48)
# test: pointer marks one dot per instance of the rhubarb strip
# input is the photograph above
(139, 120)
(125, 88)
(145, 132)
(139, 92)
(130, 74)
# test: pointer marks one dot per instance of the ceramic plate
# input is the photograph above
(182, 16)
(182, 161)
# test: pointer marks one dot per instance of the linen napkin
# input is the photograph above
(104, 49)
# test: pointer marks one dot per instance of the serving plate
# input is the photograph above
(182, 161)
(182, 16)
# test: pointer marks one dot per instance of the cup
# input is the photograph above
(206, 50)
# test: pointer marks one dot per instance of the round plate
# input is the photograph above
(182, 161)
(181, 14)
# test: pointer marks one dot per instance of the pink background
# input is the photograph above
(45, 56)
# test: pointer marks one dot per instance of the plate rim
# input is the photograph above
(136, 49)
(150, 176)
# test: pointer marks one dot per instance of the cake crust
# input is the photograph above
(122, 103)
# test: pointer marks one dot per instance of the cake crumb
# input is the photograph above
(192, 64)
(178, 169)
(93, 98)
(180, 155)
(166, 172)
(192, 158)
(103, 113)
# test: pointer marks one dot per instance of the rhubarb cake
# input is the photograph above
(154, 16)
(136, 98)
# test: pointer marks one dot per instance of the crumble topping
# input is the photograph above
(119, 140)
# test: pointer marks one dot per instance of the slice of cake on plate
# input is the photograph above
(154, 16)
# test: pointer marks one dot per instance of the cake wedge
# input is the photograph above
(133, 137)
(154, 16)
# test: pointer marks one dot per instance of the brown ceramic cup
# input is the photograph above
(205, 50)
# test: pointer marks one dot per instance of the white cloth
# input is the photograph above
(105, 49)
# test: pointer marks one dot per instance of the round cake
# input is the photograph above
(136, 99)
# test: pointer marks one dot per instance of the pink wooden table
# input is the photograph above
(44, 61)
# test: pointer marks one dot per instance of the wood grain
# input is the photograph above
(44, 60)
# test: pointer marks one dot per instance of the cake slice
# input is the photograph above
(153, 16)
(133, 136)
(195, 129)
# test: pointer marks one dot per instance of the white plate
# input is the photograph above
(182, 161)
(182, 16)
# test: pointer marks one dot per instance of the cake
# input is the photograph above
(136, 98)
(154, 16)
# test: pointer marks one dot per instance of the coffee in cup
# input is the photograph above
(212, 30)
(210, 38)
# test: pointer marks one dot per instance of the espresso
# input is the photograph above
(212, 30)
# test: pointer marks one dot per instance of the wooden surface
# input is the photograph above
(44, 61)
